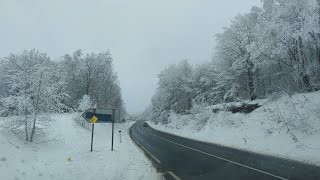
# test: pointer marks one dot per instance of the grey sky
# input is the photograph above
(144, 36)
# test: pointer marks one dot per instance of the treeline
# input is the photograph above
(32, 85)
(93, 75)
(274, 48)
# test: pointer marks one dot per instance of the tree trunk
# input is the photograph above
(318, 49)
(26, 123)
(25, 109)
(33, 128)
(316, 37)
(36, 110)
(303, 59)
(250, 82)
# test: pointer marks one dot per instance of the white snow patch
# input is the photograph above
(46, 158)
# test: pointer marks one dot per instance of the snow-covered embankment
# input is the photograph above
(288, 126)
(47, 157)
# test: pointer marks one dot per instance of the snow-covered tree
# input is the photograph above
(287, 44)
(268, 50)
(92, 75)
(232, 48)
(85, 103)
(34, 89)
(177, 82)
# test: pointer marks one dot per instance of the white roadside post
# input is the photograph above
(120, 136)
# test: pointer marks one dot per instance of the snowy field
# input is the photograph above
(47, 157)
(288, 127)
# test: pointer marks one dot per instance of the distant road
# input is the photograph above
(189, 159)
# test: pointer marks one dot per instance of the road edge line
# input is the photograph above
(144, 149)
(224, 159)
(174, 176)
(153, 158)
(240, 149)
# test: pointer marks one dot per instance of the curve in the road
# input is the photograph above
(189, 159)
(242, 165)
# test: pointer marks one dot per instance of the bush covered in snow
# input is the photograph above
(85, 103)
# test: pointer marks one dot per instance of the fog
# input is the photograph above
(143, 36)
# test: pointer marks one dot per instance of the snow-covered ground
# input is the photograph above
(284, 126)
(47, 158)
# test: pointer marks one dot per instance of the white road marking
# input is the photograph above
(174, 176)
(233, 162)
(152, 156)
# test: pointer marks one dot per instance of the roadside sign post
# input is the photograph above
(94, 115)
(93, 120)
(113, 110)
(92, 135)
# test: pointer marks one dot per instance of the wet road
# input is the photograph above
(189, 159)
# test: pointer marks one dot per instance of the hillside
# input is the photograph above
(286, 126)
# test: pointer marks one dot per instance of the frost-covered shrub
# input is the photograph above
(85, 103)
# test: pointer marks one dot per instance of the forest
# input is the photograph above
(32, 86)
(273, 49)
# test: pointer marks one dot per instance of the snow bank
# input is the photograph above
(286, 126)
(47, 157)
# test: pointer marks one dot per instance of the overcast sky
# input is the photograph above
(144, 36)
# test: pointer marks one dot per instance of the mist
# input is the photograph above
(143, 36)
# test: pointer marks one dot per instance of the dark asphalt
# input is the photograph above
(189, 159)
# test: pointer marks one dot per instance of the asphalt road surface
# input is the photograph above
(188, 159)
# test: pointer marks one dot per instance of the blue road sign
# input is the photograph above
(102, 118)
(103, 115)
